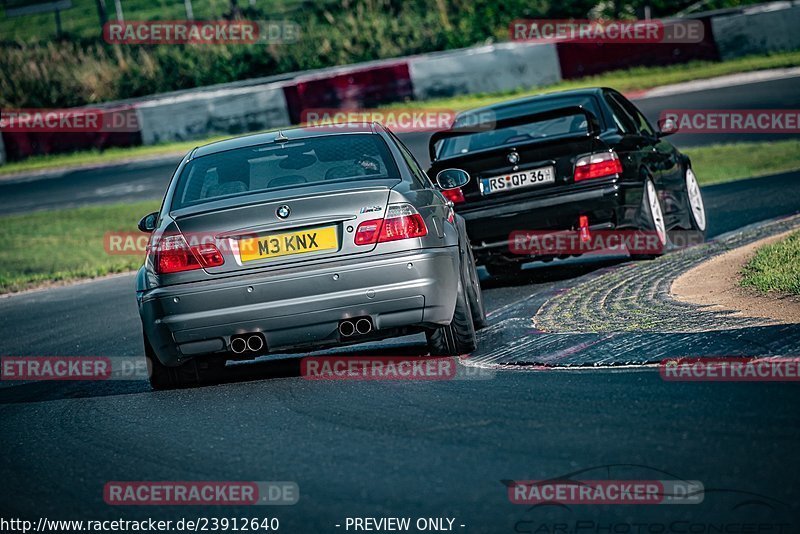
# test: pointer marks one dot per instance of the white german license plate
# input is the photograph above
(518, 180)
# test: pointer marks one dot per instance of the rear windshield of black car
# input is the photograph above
(275, 166)
(563, 126)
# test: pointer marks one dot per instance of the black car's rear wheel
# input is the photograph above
(652, 218)
(697, 207)
(458, 337)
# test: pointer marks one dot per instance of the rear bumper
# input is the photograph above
(301, 306)
(489, 227)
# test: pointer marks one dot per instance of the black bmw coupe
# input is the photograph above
(575, 163)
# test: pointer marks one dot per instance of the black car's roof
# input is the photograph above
(543, 98)
(299, 132)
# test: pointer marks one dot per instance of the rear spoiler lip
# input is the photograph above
(561, 138)
(594, 125)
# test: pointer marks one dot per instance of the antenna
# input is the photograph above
(280, 138)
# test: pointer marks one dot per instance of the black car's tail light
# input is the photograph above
(173, 255)
(599, 165)
(402, 221)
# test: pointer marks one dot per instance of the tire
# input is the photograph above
(697, 209)
(191, 373)
(653, 218)
(458, 337)
(474, 294)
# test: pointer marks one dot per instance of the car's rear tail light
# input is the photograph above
(402, 221)
(456, 196)
(368, 232)
(598, 165)
(173, 255)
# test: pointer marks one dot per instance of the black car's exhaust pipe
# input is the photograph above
(363, 326)
(347, 328)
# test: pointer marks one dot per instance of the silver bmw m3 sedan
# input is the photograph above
(302, 238)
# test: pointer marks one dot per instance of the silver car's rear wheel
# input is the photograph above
(191, 373)
(458, 337)
(473, 288)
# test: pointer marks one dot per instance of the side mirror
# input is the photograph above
(148, 222)
(667, 126)
(452, 178)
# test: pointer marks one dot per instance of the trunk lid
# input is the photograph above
(502, 161)
(313, 225)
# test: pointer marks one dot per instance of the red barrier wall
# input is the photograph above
(349, 89)
(20, 145)
(580, 59)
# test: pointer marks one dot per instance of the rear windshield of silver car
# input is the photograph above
(532, 131)
(290, 165)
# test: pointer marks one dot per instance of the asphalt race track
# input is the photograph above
(409, 448)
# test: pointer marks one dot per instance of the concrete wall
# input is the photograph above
(767, 28)
(484, 69)
(225, 111)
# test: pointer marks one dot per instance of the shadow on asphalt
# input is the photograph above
(541, 273)
(282, 366)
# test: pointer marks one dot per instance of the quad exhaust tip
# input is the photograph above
(349, 328)
(255, 343)
(238, 345)
(363, 326)
(247, 343)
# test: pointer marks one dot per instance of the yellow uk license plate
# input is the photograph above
(285, 244)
